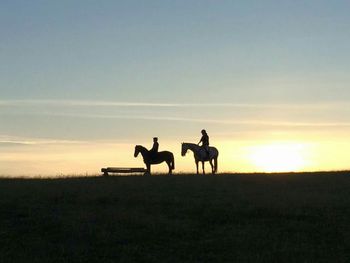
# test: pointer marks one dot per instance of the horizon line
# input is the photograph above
(96, 174)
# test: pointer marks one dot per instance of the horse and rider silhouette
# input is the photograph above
(202, 153)
(154, 157)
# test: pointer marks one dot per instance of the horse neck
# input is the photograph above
(192, 146)
(143, 150)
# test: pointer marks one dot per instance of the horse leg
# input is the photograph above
(212, 166)
(203, 167)
(197, 167)
(148, 169)
(169, 166)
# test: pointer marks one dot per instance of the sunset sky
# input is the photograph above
(82, 82)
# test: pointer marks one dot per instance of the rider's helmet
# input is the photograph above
(155, 139)
(203, 131)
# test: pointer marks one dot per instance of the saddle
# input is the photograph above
(207, 153)
(153, 156)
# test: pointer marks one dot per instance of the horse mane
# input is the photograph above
(142, 148)
(191, 144)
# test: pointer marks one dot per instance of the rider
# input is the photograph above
(155, 147)
(205, 141)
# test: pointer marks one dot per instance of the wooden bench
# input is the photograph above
(122, 170)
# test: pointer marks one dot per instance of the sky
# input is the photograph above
(82, 82)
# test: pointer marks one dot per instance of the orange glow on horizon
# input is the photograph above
(234, 156)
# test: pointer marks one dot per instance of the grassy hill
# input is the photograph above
(228, 218)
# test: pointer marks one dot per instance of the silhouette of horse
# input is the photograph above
(200, 155)
(149, 158)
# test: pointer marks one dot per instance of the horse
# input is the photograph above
(200, 155)
(150, 158)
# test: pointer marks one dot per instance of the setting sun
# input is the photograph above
(279, 157)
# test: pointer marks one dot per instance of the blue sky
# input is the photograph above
(242, 69)
(170, 51)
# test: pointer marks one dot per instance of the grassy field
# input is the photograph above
(226, 218)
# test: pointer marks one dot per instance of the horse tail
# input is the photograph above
(172, 162)
(216, 164)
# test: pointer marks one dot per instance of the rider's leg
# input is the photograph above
(207, 149)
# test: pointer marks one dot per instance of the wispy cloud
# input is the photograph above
(82, 103)
(170, 117)
(251, 122)
(7, 140)
(92, 103)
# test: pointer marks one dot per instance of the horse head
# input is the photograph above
(137, 150)
(184, 149)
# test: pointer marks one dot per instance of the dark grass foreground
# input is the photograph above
(227, 218)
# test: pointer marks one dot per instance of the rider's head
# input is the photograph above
(155, 139)
(203, 132)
